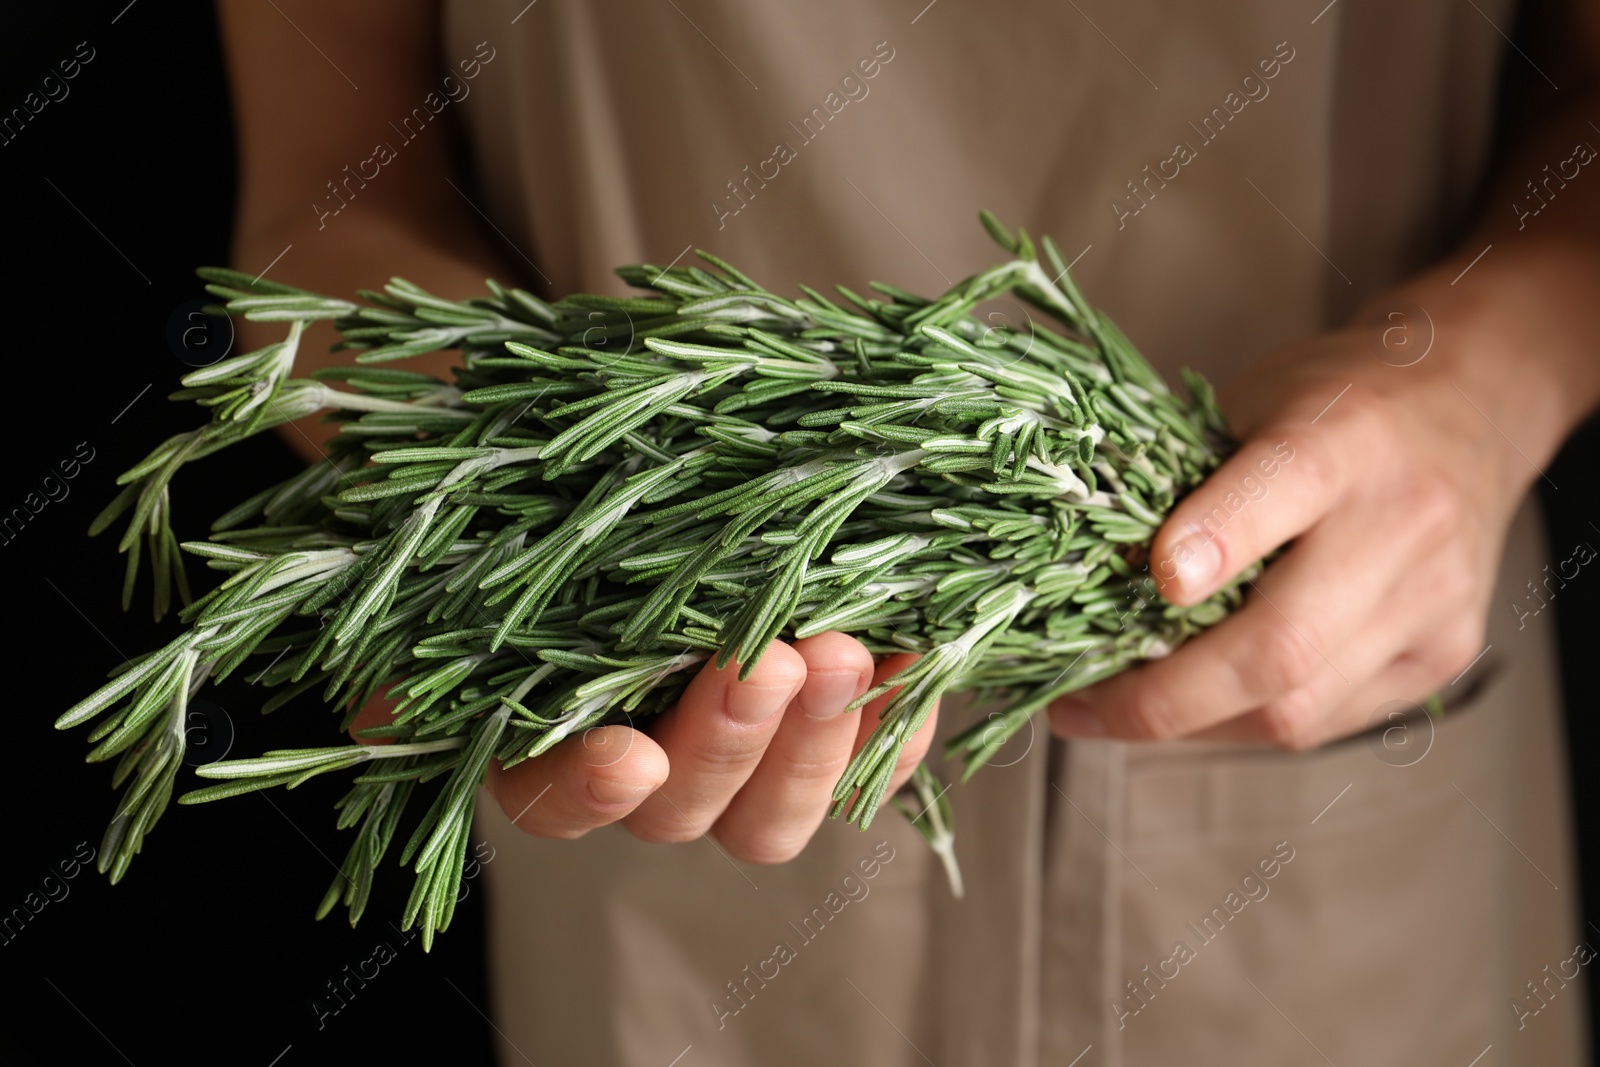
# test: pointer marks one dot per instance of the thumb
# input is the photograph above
(1276, 486)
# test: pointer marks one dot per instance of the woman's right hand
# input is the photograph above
(753, 763)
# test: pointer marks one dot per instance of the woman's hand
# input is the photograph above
(1396, 491)
(753, 763)
(1411, 452)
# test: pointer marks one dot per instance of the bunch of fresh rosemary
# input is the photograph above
(615, 491)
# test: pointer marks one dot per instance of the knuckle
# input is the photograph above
(1313, 464)
(724, 753)
(671, 819)
(1452, 584)
(558, 831)
(1462, 581)
(1279, 661)
(767, 849)
(1455, 649)
(1289, 721)
(1373, 413)
(1436, 506)
(675, 831)
(724, 757)
(804, 770)
(1152, 716)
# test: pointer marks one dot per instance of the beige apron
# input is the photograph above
(1229, 177)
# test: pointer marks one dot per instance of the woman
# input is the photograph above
(1241, 853)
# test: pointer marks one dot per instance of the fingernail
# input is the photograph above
(825, 695)
(1072, 718)
(611, 791)
(755, 704)
(1199, 560)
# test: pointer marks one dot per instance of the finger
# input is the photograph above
(1389, 700)
(1274, 488)
(582, 783)
(917, 744)
(788, 794)
(713, 739)
(1305, 716)
(379, 711)
(1295, 624)
(1396, 657)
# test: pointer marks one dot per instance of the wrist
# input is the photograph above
(1509, 342)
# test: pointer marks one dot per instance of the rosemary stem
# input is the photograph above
(413, 748)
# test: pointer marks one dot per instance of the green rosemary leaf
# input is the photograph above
(618, 489)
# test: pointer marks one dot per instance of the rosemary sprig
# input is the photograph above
(615, 491)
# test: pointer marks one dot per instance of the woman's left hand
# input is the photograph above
(1396, 492)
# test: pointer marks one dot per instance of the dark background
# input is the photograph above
(206, 952)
